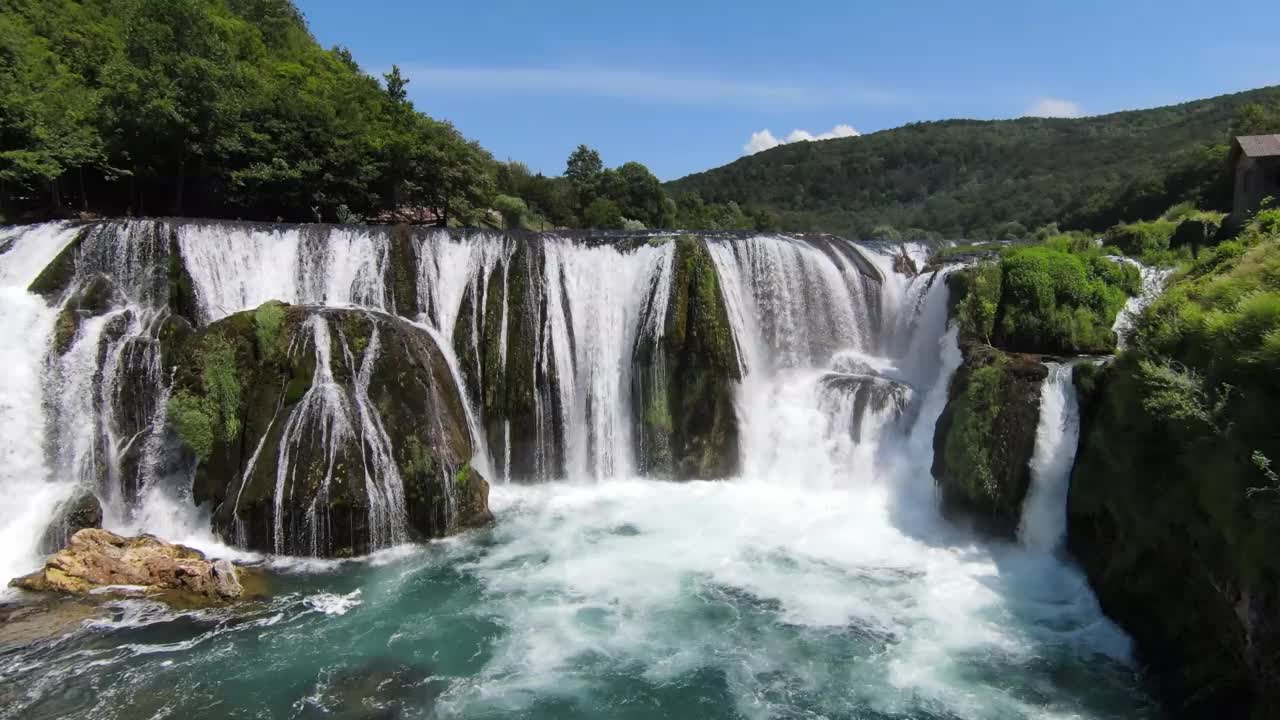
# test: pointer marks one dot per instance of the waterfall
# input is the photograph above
(29, 493)
(1044, 511)
(1152, 279)
(237, 266)
(839, 352)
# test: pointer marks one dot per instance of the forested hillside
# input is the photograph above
(1000, 178)
(229, 108)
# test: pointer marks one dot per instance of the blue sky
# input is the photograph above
(684, 86)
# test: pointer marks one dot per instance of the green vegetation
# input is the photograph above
(970, 442)
(193, 417)
(210, 413)
(1057, 301)
(1060, 296)
(267, 320)
(229, 108)
(986, 436)
(993, 180)
(1165, 508)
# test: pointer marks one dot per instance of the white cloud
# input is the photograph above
(759, 141)
(636, 85)
(764, 139)
(1055, 107)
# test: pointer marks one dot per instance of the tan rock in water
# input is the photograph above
(97, 558)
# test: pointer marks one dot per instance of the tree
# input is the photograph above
(396, 83)
(584, 171)
(512, 209)
(602, 214)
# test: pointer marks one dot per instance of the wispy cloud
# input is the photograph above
(1055, 107)
(764, 139)
(639, 85)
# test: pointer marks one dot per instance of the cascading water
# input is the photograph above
(29, 494)
(1153, 279)
(1044, 512)
(821, 582)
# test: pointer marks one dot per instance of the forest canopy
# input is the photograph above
(998, 179)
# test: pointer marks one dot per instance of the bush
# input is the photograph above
(1057, 301)
(1140, 239)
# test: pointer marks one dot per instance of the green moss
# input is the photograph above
(420, 462)
(971, 438)
(65, 330)
(657, 413)
(462, 476)
(267, 321)
(221, 378)
(193, 418)
(697, 305)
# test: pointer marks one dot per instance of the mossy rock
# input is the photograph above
(985, 438)
(1179, 554)
(684, 381)
(253, 392)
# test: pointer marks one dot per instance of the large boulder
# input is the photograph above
(95, 559)
(324, 431)
(986, 435)
(685, 377)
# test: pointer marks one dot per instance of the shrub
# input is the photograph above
(1140, 239)
(1057, 301)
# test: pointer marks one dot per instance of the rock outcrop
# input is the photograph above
(95, 559)
(685, 375)
(78, 512)
(986, 436)
(324, 431)
(511, 373)
(1179, 551)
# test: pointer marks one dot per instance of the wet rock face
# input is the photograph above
(986, 435)
(853, 396)
(82, 510)
(324, 431)
(97, 558)
(684, 381)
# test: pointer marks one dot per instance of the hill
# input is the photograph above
(974, 178)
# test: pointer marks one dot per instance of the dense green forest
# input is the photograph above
(998, 179)
(229, 108)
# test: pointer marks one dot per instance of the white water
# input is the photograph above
(1153, 280)
(823, 582)
(28, 493)
(1044, 511)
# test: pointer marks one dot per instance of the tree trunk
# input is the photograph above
(182, 181)
(84, 196)
(55, 196)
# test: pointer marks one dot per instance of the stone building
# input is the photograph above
(1256, 163)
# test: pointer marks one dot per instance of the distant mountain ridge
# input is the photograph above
(976, 177)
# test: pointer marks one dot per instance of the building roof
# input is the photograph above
(1256, 146)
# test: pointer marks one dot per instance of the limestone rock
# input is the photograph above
(324, 431)
(684, 379)
(96, 558)
(78, 512)
(986, 435)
